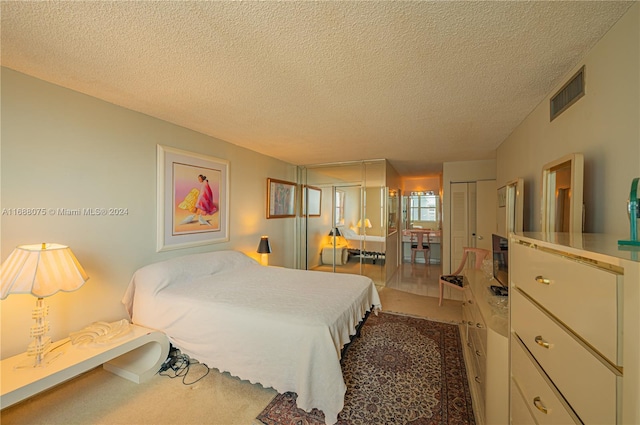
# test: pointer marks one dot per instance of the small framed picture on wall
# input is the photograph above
(281, 198)
(311, 206)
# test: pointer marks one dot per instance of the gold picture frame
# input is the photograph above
(281, 198)
(312, 202)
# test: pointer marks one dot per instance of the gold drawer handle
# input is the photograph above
(541, 342)
(541, 279)
(479, 325)
(477, 380)
(538, 403)
(478, 353)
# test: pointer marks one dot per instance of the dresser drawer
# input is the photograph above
(476, 381)
(585, 382)
(532, 394)
(470, 309)
(478, 353)
(478, 337)
(582, 296)
(520, 414)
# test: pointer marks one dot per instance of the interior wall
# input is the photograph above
(394, 241)
(421, 184)
(603, 125)
(65, 150)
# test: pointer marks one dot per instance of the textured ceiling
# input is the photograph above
(417, 83)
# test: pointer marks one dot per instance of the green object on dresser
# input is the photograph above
(634, 215)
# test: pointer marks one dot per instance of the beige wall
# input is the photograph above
(62, 149)
(603, 126)
(420, 184)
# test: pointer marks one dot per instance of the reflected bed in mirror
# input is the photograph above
(562, 189)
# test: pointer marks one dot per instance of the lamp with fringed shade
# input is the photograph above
(41, 270)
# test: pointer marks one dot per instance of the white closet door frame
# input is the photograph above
(460, 232)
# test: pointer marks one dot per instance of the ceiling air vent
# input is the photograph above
(568, 94)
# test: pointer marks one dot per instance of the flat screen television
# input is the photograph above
(500, 247)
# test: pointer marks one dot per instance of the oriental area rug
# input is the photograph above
(401, 370)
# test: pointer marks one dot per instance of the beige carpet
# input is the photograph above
(396, 301)
(99, 397)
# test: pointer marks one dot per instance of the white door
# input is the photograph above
(460, 234)
(473, 217)
(486, 223)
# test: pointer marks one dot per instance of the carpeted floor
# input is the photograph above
(402, 370)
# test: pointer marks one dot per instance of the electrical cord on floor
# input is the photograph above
(179, 365)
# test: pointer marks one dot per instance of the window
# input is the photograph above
(339, 208)
(423, 206)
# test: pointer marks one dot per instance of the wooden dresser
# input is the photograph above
(485, 337)
(575, 330)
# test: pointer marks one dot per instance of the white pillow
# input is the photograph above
(349, 233)
(157, 276)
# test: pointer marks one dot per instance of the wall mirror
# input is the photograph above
(514, 203)
(393, 205)
(562, 190)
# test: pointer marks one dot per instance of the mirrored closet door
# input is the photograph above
(349, 233)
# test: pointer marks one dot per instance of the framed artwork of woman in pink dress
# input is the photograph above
(192, 199)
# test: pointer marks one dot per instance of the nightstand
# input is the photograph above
(341, 254)
(136, 356)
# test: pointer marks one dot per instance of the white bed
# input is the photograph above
(282, 328)
(367, 245)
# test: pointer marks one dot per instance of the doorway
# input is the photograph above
(473, 217)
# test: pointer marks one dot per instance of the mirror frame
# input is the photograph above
(393, 208)
(514, 201)
(548, 200)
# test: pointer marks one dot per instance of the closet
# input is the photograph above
(473, 216)
(357, 229)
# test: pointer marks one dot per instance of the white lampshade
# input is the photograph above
(367, 223)
(41, 270)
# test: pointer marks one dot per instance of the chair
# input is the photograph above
(418, 245)
(455, 280)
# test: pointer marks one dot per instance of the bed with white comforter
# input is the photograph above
(282, 328)
(365, 244)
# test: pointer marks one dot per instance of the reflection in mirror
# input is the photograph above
(515, 206)
(339, 208)
(392, 207)
(562, 188)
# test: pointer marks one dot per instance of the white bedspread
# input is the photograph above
(367, 243)
(282, 328)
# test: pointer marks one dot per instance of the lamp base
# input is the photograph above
(39, 350)
(43, 360)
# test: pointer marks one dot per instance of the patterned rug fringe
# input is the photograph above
(415, 316)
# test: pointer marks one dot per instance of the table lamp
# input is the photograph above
(367, 224)
(339, 238)
(264, 248)
(41, 270)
